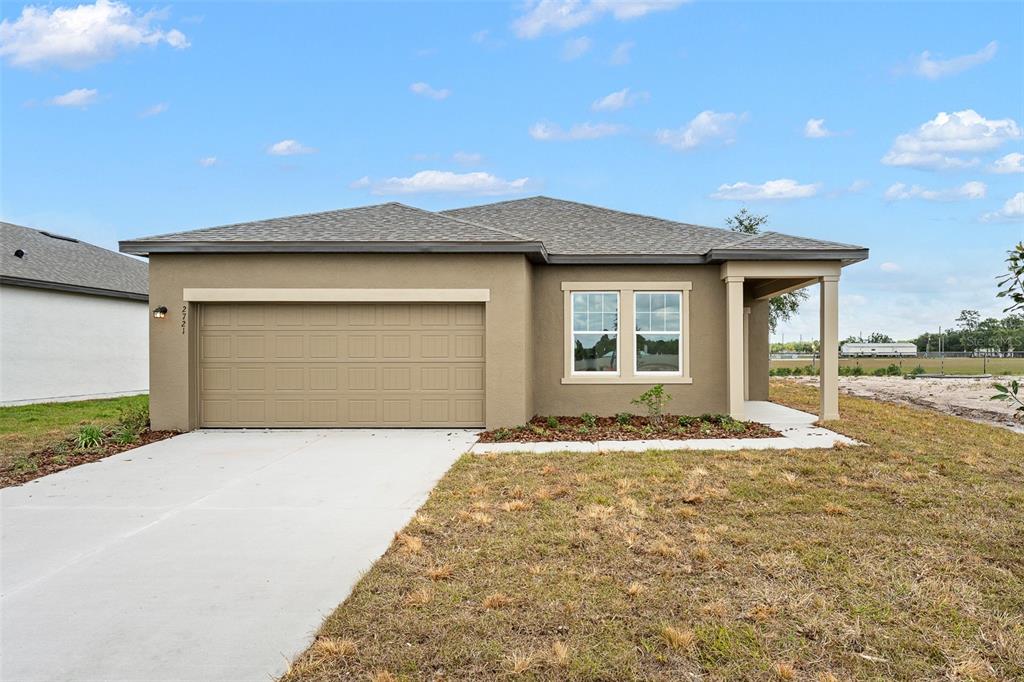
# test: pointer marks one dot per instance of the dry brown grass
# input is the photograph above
(419, 597)
(920, 577)
(333, 646)
(678, 638)
(496, 601)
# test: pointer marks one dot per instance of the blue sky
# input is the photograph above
(895, 126)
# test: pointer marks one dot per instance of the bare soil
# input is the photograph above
(967, 398)
(63, 455)
(537, 430)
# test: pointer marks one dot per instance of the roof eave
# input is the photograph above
(72, 288)
(847, 256)
(533, 250)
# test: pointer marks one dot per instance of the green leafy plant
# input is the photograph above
(654, 399)
(686, 420)
(1011, 285)
(134, 418)
(552, 422)
(917, 370)
(588, 419)
(89, 436)
(623, 418)
(583, 429)
(125, 436)
(501, 433)
(1011, 393)
(24, 464)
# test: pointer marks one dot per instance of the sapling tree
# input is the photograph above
(780, 308)
(1011, 286)
(654, 399)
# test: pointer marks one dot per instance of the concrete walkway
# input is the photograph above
(209, 556)
(796, 428)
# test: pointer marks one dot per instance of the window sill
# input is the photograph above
(649, 380)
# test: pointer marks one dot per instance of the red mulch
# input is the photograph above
(63, 455)
(638, 428)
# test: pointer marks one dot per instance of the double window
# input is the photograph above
(629, 332)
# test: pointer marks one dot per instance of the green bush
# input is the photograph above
(623, 418)
(588, 419)
(917, 370)
(783, 371)
(125, 436)
(501, 433)
(134, 418)
(89, 436)
(893, 370)
(552, 422)
(686, 420)
(654, 399)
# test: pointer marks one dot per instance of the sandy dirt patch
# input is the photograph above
(968, 398)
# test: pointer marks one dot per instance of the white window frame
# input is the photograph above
(618, 331)
(678, 333)
(626, 341)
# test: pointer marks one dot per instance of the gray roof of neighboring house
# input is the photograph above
(545, 229)
(52, 261)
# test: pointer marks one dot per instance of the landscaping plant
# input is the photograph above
(654, 399)
(89, 436)
(1011, 394)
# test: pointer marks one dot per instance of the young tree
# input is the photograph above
(780, 308)
(879, 337)
(1011, 285)
(968, 323)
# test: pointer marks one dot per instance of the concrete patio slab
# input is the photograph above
(797, 429)
(209, 556)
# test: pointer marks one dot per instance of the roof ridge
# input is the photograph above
(467, 222)
(793, 236)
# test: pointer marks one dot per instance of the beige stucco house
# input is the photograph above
(390, 315)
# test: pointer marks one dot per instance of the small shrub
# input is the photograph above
(583, 429)
(552, 422)
(783, 372)
(89, 436)
(880, 372)
(857, 371)
(588, 419)
(798, 371)
(501, 433)
(23, 464)
(654, 399)
(539, 430)
(623, 418)
(893, 370)
(125, 436)
(709, 418)
(134, 419)
(686, 420)
(917, 370)
(734, 426)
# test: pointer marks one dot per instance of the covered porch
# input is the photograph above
(759, 281)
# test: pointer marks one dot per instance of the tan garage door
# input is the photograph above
(345, 364)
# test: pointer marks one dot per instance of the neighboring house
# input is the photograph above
(72, 319)
(390, 315)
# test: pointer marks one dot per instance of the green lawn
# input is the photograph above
(26, 428)
(903, 559)
(997, 366)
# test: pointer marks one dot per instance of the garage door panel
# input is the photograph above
(341, 365)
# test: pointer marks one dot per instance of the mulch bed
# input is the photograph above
(537, 430)
(63, 455)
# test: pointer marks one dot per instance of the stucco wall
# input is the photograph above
(707, 393)
(57, 345)
(757, 350)
(508, 312)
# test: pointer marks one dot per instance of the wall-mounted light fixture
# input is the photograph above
(160, 311)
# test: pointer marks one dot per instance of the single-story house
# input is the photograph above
(73, 319)
(390, 315)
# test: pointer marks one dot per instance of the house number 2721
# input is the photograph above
(184, 317)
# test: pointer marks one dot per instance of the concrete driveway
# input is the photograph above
(209, 556)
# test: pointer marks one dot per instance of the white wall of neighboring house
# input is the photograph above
(57, 346)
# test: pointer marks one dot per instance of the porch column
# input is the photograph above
(734, 344)
(829, 347)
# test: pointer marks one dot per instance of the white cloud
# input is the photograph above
(815, 127)
(77, 37)
(968, 190)
(480, 36)
(963, 132)
(924, 65)
(579, 131)
(890, 267)
(1012, 210)
(467, 158)
(79, 97)
(574, 48)
(155, 110)
(289, 148)
(446, 182)
(707, 126)
(858, 186)
(558, 16)
(361, 183)
(621, 53)
(208, 161)
(620, 99)
(425, 90)
(1011, 163)
(783, 188)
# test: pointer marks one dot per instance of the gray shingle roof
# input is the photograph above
(391, 222)
(53, 261)
(546, 229)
